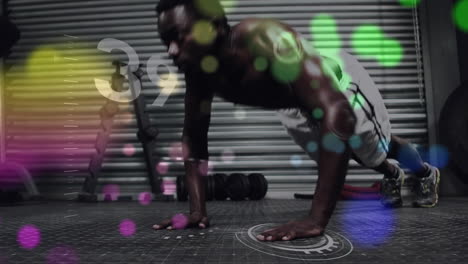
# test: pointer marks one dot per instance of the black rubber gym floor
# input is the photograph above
(120, 232)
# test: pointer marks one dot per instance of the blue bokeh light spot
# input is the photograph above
(332, 143)
(367, 223)
(312, 146)
(438, 156)
(355, 142)
(296, 160)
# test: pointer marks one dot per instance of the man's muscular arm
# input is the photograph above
(195, 142)
(195, 148)
(337, 125)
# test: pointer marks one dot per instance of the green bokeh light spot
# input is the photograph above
(325, 34)
(229, 6)
(391, 53)
(410, 3)
(285, 72)
(356, 101)
(209, 8)
(460, 15)
(308, 46)
(286, 48)
(260, 64)
(370, 42)
(209, 64)
(317, 113)
(366, 38)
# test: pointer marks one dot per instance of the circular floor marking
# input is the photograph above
(327, 247)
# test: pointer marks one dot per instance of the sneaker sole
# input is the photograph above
(437, 191)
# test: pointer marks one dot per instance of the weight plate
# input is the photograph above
(453, 129)
(237, 186)
(219, 186)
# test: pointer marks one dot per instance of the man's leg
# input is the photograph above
(428, 176)
(391, 183)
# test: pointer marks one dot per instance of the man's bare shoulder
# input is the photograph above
(268, 37)
(253, 26)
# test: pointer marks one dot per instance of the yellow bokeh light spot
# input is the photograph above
(204, 32)
(67, 72)
(209, 64)
(43, 61)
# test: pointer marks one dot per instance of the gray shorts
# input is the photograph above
(372, 133)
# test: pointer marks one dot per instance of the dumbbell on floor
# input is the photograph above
(237, 186)
(211, 188)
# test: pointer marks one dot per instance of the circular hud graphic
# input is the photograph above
(327, 247)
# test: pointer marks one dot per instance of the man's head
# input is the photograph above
(191, 29)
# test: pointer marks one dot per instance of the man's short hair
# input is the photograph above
(165, 5)
(211, 9)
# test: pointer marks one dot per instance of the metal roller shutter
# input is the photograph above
(52, 118)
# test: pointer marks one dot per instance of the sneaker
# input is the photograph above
(427, 189)
(390, 190)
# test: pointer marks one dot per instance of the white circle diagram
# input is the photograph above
(330, 246)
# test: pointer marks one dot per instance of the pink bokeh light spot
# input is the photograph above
(177, 151)
(162, 167)
(168, 187)
(228, 156)
(29, 237)
(205, 168)
(62, 255)
(179, 221)
(128, 150)
(111, 192)
(144, 198)
(127, 228)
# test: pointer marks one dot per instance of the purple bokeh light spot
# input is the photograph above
(168, 187)
(62, 255)
(29, 237)
(162, 167)
(179, 221)
(127, 228)
(128, 150)
(144, 198)
(176, 151)
(111, 192)
(205, 167)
